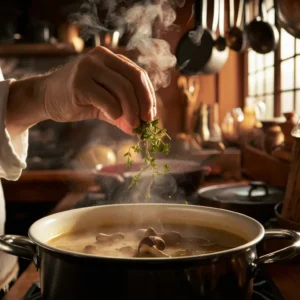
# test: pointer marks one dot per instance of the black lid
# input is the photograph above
(254, 193)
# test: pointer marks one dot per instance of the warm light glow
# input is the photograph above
(97, 40)
(115, 39)
(78, 44)
(107, 39)
(17, 36)
(99, 167)
(191, 89)
(46, 34)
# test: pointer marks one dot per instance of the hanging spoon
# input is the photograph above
(236, 38)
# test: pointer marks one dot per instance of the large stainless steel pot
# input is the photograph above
(223, 275)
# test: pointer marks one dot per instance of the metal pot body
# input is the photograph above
(64, 277)
(221, 275)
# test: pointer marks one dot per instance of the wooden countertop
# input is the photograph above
(286, 277)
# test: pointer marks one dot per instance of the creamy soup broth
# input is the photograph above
(194, 240)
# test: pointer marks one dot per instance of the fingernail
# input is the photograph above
(108, 116)
(154, 112)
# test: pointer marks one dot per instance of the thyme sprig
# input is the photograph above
(151, 141)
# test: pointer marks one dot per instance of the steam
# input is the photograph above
(145, 22)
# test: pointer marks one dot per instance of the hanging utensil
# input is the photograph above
(236, 38)
(221, 41)
(263, 37)
(216, 132)
(190, 87)
(196, 52)
(204, 126)
(288, 16)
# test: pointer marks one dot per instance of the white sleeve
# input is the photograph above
(13, 149)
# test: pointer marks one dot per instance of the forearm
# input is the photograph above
(25, 105)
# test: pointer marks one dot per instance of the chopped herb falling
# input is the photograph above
(150, 142)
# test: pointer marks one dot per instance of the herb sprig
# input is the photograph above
(151, 141)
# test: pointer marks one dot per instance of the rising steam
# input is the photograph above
(144, 21)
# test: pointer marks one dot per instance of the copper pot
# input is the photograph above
(288, 16)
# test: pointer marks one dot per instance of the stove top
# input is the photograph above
(264, 289)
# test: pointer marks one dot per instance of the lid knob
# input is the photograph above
(256, 185)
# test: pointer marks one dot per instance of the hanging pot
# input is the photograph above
(288, 16)
(196, 52)
(263, 37)
(255, 199)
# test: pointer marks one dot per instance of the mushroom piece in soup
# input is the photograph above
(147, 241)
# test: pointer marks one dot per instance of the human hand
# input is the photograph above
(100, 85)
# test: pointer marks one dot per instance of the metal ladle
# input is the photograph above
(263, 37)
(221, 41)
(236, 38)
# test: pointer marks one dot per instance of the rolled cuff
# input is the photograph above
(13, 149)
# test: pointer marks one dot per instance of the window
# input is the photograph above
(283, 94)
(261, 72)
(289, 63)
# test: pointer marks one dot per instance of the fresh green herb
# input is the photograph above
(151, 141)
(185, 202)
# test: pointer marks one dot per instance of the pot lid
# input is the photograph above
(254, 193)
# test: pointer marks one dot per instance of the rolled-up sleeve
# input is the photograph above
(13, 149)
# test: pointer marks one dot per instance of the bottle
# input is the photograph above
(287, 128)
(204, 127)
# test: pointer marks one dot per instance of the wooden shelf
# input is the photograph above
(41, 49)
(44, 49)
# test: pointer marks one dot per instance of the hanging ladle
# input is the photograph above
(236, 38)
(263, 37)
(197, 51)
(221, 41)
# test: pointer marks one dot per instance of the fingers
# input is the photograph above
(149, 84)
(123, 91)
(137, 77)
(104, 101)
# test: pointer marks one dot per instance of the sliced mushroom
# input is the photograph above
(102, 237)
(153, 251)
(151, 232)
(171, 238)
(89, 249)
(152, 245)
(153, 241)
(142, 232)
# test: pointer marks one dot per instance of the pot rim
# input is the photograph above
(209, 256)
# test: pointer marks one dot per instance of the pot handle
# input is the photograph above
(18, 245)
(282, 254)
